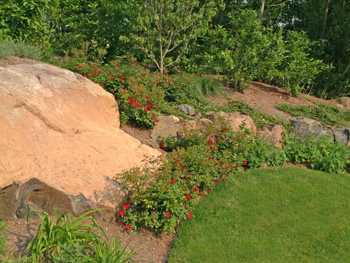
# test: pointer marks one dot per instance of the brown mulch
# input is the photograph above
(156, 249)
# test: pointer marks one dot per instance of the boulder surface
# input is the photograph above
(60, 143)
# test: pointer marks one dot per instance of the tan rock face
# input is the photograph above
(60, 142)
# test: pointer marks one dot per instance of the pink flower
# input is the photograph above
(128, 227)
(167, 214)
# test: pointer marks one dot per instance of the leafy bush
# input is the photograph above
(10, 47)
(74, 240)
(319, 153)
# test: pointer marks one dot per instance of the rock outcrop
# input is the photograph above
(60, 143)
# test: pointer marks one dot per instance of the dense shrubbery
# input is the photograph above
(163, 193)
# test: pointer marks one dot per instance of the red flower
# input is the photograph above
(126, 206)
(121, 213)
(79, 66)
(211, 147)
(157, 120)
(179, 87)
(111, 78)
(170, 84)
(223, 179)
(196, 188)
(245, 163)
(146, 109)
(152, 118)
(85, 76)
(167, 214)
(95, 71)
(155, 174)
(209, 158)
(172, 182)
(215, 181)
(123, 77)
(189, 216)
(186, 179)
(177, 160)
(209, 141)
(108, 73)
(128, 227)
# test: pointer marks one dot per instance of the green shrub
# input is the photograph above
(319, 153)
(74, 240)
(10, 47)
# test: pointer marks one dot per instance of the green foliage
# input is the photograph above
(4, 249)
(164, 29)
(327, 115)
(74, 240)
(269, 215)
(319, 153)
(10, 47)
(242, 41)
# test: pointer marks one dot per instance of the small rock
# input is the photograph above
(341, 135)
(187, 109)
(166, 127)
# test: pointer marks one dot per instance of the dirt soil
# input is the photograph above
(156, 249)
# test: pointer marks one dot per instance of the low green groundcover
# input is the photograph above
(281, 215)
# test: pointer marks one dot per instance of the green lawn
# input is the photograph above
(281, 215)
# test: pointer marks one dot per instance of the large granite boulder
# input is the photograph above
(60, 142)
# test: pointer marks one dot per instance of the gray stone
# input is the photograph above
(166, 127)
(187, 109)
(235, 120)
(341, 135)
(273, 134)
(305, 127)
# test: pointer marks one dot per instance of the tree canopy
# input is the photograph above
(300, 45)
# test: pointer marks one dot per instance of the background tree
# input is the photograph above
(164, 29)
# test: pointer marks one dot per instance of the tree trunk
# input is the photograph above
(261, 12)
(325, 19)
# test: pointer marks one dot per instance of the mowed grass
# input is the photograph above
(281, 215)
